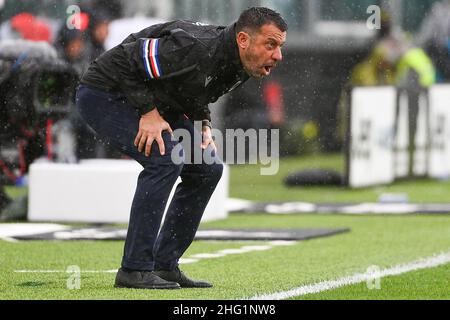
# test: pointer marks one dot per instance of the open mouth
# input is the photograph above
(267, 69)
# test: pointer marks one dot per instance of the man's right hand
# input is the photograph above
(151, 127)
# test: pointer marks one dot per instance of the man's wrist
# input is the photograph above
(206, 123)
(151, 112)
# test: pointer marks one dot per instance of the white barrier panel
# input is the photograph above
(97, 191)
(401, 139)
(372, 126)
(439, 157)
(421, 139)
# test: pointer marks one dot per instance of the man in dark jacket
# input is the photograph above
(157, 80)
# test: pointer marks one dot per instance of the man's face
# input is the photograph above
(260, 51)
(101, 32)
(75, 48)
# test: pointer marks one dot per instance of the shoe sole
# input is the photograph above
(200, 287)
(146, 287)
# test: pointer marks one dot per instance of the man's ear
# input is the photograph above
(243, 39)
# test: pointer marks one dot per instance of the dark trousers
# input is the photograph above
(147, 247)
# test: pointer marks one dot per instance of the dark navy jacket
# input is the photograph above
(179, 66)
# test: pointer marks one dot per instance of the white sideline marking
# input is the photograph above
(429, 262)
(282, 242)
(192, 259)
(65, 271)
(9, 239)
(207, 255)
(187, 260)
(9, 230)
(235, 204)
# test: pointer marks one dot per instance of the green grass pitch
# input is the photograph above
(374, 240)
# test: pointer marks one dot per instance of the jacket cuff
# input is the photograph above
(145, 109)
(206, 123)
(203, 114)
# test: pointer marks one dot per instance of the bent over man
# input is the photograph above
(158, 80)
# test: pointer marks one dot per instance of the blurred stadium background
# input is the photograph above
(389, 220)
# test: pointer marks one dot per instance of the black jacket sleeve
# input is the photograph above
(137, 93)
(158, 59)
(202, 113)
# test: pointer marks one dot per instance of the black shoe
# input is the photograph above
(142, 280)
(178, 276)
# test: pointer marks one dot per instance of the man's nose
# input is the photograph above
(277, 56)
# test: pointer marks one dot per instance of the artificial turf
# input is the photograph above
(246, 182)
(426, 284)
(382, 241)
(373, 240)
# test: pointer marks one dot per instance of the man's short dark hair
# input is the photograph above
(252, 19)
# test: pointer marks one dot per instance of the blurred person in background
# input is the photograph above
(5, 200)
(72, 47)
(257, 105)
(26, 26)
(393, 61)
(388, 65)
(23, 64)
(434, 37)
(111, 9)
(97, 32)
(79, 46)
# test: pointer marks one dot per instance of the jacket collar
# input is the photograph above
(231, 48)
